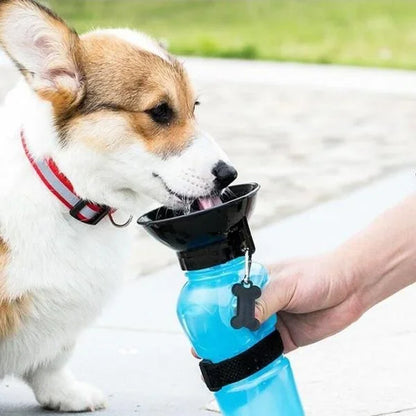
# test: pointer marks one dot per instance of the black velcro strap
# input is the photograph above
(218, 375)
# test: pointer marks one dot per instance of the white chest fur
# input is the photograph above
(66, 268)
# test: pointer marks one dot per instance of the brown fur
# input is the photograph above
(122, 83)
(12, 312)
(4, 259)
(103, 77)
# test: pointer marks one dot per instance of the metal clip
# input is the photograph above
(248, 260)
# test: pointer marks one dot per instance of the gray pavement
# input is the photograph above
(307, 132)
(138, 355)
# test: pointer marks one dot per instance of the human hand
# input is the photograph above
(320, 296)
(314, 298)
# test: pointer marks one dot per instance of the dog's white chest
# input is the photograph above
(67, 279)
(64, 268)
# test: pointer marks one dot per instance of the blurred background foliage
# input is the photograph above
(358, 32)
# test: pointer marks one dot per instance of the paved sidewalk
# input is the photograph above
(139, 356)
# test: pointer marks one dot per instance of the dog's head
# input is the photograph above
(122, 108)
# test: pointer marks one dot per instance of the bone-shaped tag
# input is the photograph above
(246, 306)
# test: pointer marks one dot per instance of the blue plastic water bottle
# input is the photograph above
(242, 361)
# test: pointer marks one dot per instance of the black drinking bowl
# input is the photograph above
(223, 227)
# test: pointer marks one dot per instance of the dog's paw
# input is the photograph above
(77, 397)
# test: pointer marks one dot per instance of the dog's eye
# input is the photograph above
(196, 104)
(161, 114)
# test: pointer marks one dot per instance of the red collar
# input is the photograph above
(81, 209)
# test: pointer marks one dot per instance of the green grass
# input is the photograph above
(358, 32)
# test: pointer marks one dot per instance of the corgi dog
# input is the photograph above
(98, 123)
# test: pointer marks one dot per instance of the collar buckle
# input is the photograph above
(81, 204)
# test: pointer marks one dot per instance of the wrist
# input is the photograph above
(381, 260)
(351, 271)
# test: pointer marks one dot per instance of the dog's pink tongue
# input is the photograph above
(208, 202)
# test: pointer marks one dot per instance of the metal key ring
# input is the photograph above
(110, 215)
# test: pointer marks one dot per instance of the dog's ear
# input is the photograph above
(45, 50)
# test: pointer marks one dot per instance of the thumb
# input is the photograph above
(276, 296)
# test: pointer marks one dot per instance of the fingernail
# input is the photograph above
(260, 310)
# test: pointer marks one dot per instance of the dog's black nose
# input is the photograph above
(224, 174)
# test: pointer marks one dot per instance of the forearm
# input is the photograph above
(382, 258)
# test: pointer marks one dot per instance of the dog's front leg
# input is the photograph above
(56, 388)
